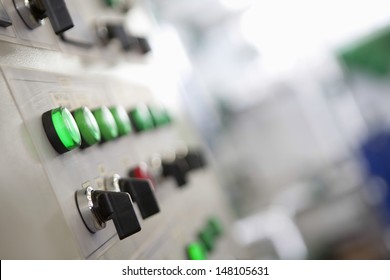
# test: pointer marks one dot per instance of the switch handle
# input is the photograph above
(195, 159)
(141, 191)
(143, 45)
(178, 170)
(118, 32)
(118, 207)
(58, 14)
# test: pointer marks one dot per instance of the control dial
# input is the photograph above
(176, 167)
(141, 191)
(97, 207)
(33, 12)
(118, 32)
(195, 159)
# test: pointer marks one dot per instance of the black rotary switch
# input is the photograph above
(143, 45)
(97, 207)
(33, 12)
(117, 31)
(177, 169)
(58, 14)
(195, 159)
(5, 20)
(142, 193)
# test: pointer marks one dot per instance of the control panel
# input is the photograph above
(95, 165)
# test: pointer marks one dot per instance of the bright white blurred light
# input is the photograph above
(236, 5)
(171, 65)
(286, 32)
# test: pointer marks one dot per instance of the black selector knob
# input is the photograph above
(143, 45)
(5, 20)
(116, 206)
(195, 159)
(58, 14)
(97, 207)
(33, 12)
(142, 193)
(117, 31)
(177, 169)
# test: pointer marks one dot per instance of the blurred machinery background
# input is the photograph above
(178, 129)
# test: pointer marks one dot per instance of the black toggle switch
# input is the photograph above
(58, 14)
(177, 169)
(117, 31)
(141, 191)
(118, 207)
(5, 20)
(97, 207)
(143, 45)
(195, 159)
(33, 12)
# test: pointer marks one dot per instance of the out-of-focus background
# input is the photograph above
(260, 129)
(292, 99)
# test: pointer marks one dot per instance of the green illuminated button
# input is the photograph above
(159, 115)
(88, 126)
(195, 251)
(61, 129)
(112, 3)
(167, 117)
(141, 118)
(206, 237)
(106, 123)
(215, 226)
(121, 119)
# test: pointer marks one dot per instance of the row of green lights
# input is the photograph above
(145, 118)
(108, 127)
(159, 115)
(113, 3)
(198, 250)
(83, 128)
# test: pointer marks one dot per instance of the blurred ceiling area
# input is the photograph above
(240, 47)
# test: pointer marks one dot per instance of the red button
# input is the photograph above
(141, 172)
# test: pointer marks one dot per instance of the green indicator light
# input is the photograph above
(121, 119)
(106, 122)
(215, 226)
(88, 126)
(66, 128)
(167, 117)
(112, 3)
(206, 237)
(141, 118)
(195, 251)
(159, 115)
(61, 129)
